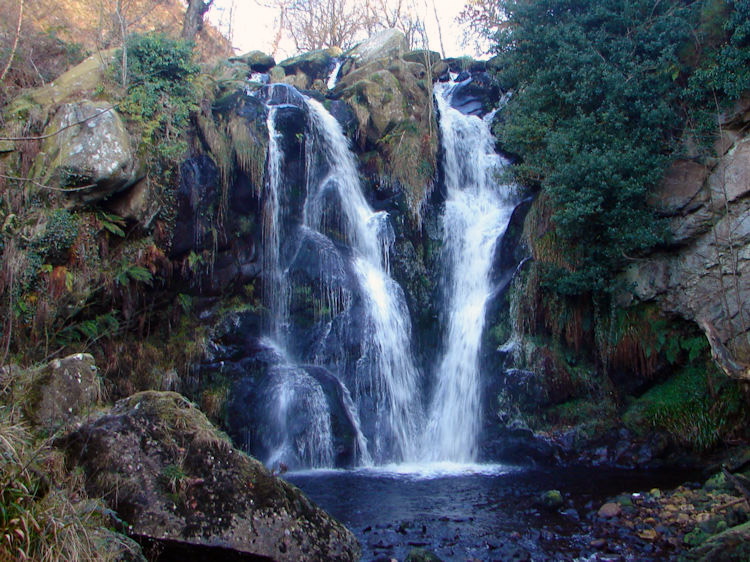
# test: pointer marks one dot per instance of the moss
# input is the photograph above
(687, 408)
(59, 234)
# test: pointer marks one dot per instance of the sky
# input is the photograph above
(253, 26)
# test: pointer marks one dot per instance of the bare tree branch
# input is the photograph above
(15, 42)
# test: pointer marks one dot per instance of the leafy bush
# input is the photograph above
(723, 74)
(599, 103)
(59, 234)
(160, 90)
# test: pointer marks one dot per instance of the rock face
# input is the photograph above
(92, 155)
(388, 44)
(169, 474)
(61, 390)
(84, 77)
(704, 276)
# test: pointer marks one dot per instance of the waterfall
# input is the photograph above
(343, 358)
(385, 373)
(333, 78)
(477, 212)
(274, 288)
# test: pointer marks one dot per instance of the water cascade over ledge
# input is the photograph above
(477, 212)
(340, 384)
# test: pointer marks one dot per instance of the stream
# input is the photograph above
(483, 512)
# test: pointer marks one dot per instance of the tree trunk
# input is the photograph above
(196, 10)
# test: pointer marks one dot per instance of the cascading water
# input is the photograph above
(385, 372)
(334, 76)
(476, 214)
(275, 289)
(350, 286)
(334, 253)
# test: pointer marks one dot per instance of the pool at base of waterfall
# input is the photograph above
(480, 512)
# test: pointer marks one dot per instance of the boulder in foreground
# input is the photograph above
(172, 476)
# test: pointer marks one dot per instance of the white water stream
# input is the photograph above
(386, 359)
(477, 212)
(385, 379)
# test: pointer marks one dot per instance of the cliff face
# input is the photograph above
(703, 277)
(672, 344)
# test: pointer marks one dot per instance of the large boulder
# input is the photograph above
(387, 44)
(733, 545)
(256, 60)
(313, 65)
(83, 78)
(61, 390)
(88, 152)
(169, 474)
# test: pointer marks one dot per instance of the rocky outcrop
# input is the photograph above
(88, 152)
(169, 474)
(703, 276)
(60, 391)
(257, 61)
(388, 44)
(80, 79)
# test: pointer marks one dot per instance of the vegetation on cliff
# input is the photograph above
(601, 95)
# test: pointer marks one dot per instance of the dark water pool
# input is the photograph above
(484, 512)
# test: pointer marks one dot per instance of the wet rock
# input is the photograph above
(609, 510)
(198, 190)
(421, 555)
(551, 500)
(599, 544)
(168, 472)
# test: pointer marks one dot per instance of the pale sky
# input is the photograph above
(253, 26)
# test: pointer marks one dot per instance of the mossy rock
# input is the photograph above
(168, 472)
(314, 64)
(258, 61)
(422, 56)
(79, 81)
(92, 156)
(277, 74)
(733, 545)
(60, 391)
(387, 44)
(551, 500)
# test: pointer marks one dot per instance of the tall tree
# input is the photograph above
(196, 11)
(481, 20)
(318, 24)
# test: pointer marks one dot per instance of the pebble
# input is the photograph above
(599, 544)
(610, 510)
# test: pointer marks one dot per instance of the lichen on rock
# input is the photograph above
(169, 473)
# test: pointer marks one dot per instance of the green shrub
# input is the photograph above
(602, 93)
(160, 91)
(59, 234)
